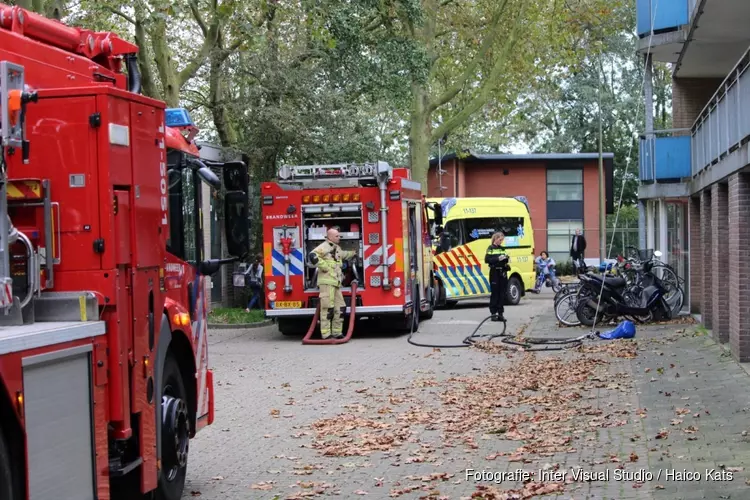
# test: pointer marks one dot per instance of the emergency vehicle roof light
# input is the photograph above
(178, 117)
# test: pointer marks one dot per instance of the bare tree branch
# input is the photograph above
(121, 14)
(198, 18)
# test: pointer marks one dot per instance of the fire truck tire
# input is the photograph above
(6, 473)
(430, 312)
(411, 321)
(175, 433)
(514, 291)
(293, 327)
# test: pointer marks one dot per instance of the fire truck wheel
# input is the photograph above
(514, 291)
(429, 313)
(292, 327)
(6, 473)
(175, 433)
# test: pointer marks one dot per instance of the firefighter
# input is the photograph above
(332, 307)
(499, 263)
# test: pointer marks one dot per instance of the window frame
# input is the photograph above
(558, 183)
(176, 160)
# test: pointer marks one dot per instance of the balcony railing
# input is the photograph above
(665, 15)
(722, 125)
(665, 157)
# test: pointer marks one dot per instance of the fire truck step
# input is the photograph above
(118, 469)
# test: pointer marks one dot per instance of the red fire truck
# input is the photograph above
(104, 372)
(381, 215)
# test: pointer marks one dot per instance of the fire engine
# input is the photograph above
(104, 373)
(381, 215)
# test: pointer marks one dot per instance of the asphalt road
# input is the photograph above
(268, 387)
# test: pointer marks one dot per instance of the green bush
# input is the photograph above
(564, 268)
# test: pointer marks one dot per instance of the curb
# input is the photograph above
(237, 326)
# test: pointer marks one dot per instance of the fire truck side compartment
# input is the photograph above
(59, 424)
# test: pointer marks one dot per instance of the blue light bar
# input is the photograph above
(178, 117)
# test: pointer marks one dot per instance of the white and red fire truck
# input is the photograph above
(381, 215)
(104, 374)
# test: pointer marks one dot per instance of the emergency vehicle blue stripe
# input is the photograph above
(475, 279)
(295, 263)
(444, 276)
(468, 279)
(459, 280)
(477, 272)
(484, 278)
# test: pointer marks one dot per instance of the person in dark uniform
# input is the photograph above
(497, 258)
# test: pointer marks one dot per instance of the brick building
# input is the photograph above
(562, 190)
(695, 189)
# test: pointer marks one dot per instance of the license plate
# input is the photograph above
(288, 305)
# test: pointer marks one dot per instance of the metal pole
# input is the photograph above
(602, 214)
(648, 94)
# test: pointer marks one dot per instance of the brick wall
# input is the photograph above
(720, 260)
(689, 97)
(739, 278)
(696, 256)
(706, 298)
(448, 179)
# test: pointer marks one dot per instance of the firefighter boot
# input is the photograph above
(339, 307)
(326, 310)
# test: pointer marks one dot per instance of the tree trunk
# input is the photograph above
(165, 65)
(217, 86)
(148, 84)
(419, 137)
(24, 4)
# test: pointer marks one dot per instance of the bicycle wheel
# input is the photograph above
(565, 310)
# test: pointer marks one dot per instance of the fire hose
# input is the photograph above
(308, 340)
(527, 343)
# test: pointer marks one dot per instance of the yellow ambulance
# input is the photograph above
(461, 236)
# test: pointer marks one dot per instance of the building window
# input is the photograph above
(559, 237)
(565, 185)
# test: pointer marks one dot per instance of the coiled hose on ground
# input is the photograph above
(528, 343)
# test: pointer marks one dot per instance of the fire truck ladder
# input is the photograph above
(344, 175)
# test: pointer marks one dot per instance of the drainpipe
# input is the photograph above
(382, 183)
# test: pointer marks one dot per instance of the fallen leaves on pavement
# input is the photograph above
(539, 402)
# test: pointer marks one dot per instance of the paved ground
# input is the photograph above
(383, 418)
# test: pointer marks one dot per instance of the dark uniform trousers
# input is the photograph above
(497, 259)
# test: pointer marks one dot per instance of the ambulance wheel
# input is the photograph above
(514, 291)
(6, 471)
(175, 433)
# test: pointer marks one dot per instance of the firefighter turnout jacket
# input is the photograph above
(498, 260)
(330, 258)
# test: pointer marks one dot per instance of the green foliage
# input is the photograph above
(561, 112)
(235, 316)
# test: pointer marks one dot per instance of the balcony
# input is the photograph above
(722, 128)
(662, 15)
(665, 158)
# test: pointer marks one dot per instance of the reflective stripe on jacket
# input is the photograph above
(330, 258)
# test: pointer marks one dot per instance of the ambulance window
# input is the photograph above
(453, 229)
(482, 228)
